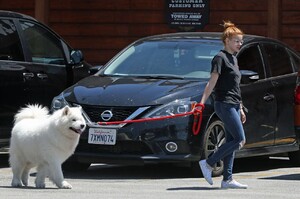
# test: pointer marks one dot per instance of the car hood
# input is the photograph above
(126, 91)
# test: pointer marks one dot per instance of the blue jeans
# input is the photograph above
(234, 134)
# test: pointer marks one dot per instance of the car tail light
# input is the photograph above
(297, 95)
(297, 106)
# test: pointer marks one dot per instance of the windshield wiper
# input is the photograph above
(162, 77)
(114, 75)
(150, 76)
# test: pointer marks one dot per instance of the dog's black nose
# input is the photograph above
(82, 126)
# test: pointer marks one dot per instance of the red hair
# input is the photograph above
(230, 30)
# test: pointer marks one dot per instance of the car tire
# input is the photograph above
(214, 137)
(75, 166)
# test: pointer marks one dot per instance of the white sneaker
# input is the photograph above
(232, 184)
(206, 171)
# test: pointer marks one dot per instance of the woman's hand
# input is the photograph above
(243, 116)
(200, 107)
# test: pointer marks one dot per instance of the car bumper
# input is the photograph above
(143, 142)
(297, 121)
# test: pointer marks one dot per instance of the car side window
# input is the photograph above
(44, 47)
(10, 45)
(296, 61)
(250, 59)
(278, 59)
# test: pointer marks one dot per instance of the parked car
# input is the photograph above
(165, 75)
(295, 156)
(35, 65)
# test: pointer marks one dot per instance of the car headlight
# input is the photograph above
(59, 102)
(175, 107)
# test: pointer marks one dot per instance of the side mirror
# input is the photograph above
(95, 69)
(249, 76)
(76, 57)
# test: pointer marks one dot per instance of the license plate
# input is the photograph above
(102, 136)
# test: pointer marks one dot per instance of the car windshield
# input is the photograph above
(164, 59)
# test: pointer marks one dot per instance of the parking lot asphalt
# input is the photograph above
(270, 178)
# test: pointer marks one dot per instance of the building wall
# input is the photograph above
(100, 28)
(290, 23)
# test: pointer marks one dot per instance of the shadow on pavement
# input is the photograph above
(4, 160)
(169, 171)
(157, 171)
(261, 164)
(284, 177)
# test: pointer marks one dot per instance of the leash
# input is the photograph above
(195, 111)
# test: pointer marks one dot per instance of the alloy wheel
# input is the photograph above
(214, 138)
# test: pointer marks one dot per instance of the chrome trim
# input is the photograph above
(106, 115)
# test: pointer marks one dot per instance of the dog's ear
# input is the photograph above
(66, 110)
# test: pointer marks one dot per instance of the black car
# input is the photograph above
(165, 75)
(35, 66)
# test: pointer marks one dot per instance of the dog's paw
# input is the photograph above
(16, 183)
(25, 182)
(40, 185)
(65, 185)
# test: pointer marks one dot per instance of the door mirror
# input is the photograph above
(95, 69)
(76, 56)
(249, 76)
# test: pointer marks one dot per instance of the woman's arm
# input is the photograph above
(209, 86)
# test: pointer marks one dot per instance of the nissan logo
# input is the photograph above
(106, 115)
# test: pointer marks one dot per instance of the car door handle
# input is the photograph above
(269, 97)
(28, 75)
(275, 84)
(42, 76)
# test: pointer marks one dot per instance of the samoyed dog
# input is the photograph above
(43, 140)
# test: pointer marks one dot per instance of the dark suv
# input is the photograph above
(35, 65)
(165, 75)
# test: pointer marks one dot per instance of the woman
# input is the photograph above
(225, 80)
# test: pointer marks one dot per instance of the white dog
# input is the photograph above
(44, 141)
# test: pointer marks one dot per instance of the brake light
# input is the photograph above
(297, 95)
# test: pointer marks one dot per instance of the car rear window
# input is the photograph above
(278, 59)
(296, 61)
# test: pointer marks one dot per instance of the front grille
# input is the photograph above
(119, 113)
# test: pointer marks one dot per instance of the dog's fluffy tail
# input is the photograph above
(32, 112)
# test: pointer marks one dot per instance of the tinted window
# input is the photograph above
(278, 59)
(296, 61)
(10, 46)
(44, 47)
(250, 59)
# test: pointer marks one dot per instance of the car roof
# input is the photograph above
(11, 14)
(213, 36)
